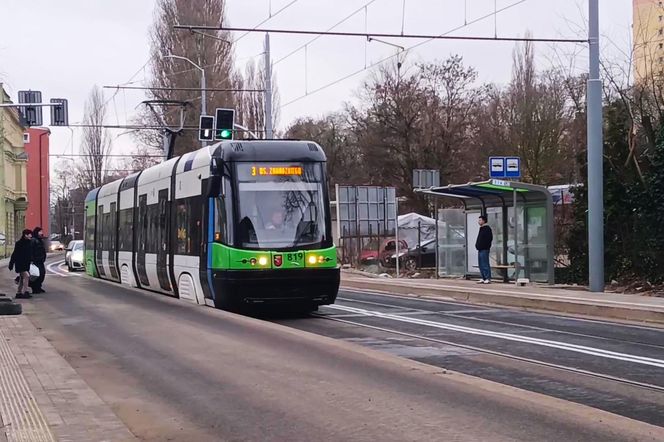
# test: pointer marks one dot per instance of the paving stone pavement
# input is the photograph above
(42, 398)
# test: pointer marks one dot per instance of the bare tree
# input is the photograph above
(96, 144)
(250, 103)
(211, 51)
(143, 157)
(344, 158)
(532, 118)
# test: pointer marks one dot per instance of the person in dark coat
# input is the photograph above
(483, 246)
(20, 260)
(38, 258)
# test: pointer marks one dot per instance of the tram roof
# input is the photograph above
(269, 150)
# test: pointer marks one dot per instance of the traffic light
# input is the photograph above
(31, 114)
(60, 113)
(225, 124)
(206, 128)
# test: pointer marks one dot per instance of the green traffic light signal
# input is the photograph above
(225, 122)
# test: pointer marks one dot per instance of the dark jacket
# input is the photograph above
(22, 256)
(484, 238)
(38, 250)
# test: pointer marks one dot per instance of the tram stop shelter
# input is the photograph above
(522, 244)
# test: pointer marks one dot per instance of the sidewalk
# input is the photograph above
(603, 305)
(42, 398)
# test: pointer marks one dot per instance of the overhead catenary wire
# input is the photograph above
(408, 36)
(194, 89)
(270, 16)
(359, 71)
(340, 22)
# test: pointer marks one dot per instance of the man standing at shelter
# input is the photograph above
(483, 246)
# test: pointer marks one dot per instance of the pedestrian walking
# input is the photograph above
(20, 261)
(38, 259)
(483, 246)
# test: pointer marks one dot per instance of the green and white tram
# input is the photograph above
(229, 225)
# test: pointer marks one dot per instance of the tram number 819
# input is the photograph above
(295, 256)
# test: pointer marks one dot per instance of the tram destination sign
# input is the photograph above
(275, 170)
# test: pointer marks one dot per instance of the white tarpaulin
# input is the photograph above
(408, 226)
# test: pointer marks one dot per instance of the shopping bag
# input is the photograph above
(34, 272)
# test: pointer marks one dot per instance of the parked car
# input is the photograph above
(75, 256)
(56, 246)
(421, 256)
(373, 255)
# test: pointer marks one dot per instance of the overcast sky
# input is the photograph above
(65, 47)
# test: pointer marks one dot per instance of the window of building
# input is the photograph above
(26, 137)
(661, 31)
(661, 18)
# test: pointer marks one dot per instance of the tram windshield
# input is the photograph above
(280, 205)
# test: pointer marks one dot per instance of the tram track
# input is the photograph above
(499, 354)
(470, 317)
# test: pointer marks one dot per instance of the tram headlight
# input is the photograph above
(262, 261)
(312, 259)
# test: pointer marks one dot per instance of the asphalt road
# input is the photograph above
(614, 367)
(175, 371)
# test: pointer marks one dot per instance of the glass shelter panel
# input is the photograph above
(451, 242)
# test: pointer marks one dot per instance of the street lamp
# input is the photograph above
(203, 104)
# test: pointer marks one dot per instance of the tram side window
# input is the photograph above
(108, 225)
(152, 237)
(89, 231)
(100, 228)
(142, 224)
(188, 226)
(113, 230)
(125, 230)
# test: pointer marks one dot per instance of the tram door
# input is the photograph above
(142, 240)
(101, 241)
(162, 240)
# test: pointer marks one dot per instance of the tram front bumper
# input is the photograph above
(315, 286)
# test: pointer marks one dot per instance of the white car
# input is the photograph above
(75, 256)
(54, 246)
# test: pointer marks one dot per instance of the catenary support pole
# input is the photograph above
(595, 158)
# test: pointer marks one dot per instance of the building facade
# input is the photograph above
(13, 180)
(38, 179)
(648, 37)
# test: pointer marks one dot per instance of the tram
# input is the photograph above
(231, 225)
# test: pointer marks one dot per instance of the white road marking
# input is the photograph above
(60, 271)
(434, 299)
(509, 337)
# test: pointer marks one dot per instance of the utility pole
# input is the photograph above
(268, 89)
(595, 157)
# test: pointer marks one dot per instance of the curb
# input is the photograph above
(572, 307)
(8, 307)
